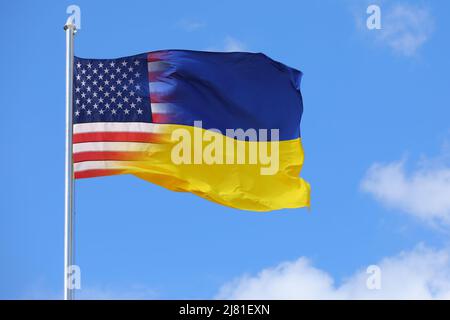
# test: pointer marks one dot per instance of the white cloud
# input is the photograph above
(422, 273)
(230, 44)
(405, 28)
(423, 193)
(190, 25)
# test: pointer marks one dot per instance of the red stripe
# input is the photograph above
(108, 155)
(154, 76)
(96, 173)
(117, 136)
(158, 97)
(157, 56)
(161, 118)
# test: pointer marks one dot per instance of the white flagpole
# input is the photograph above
(69, 184)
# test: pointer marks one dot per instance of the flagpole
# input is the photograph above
(70, 29)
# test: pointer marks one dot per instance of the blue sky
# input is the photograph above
(375, 131)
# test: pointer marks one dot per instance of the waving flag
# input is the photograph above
(224, 126)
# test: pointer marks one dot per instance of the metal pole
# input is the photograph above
(69, 184)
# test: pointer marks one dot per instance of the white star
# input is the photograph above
(106, 70)
(125, 87)
(119, 94)
(77, 113)
(100, 100)
(117, 69)
(130, 69)
(83, 95)
(139, 99)
(138, 87)
(95, 106)
(124, 75)
(106, 94)
(124, 63)
(137, 74)
(77, 101)
(107, 105)
(119, 106)
(140, 111)
(89, 77)
(77, 89)
(100, 88)
(119, 81)
(107, 82)
(95, 94)
(83, 83)
(78, 77)
(101, 111)
(100, 77)
(100, 65)
(113, 111)
(113, 87)
(136, 62)
(88, 89)
(132, 93)
(112, 64)
(95, 71)
(89, 65)
(89, 100)
(126, 111)
(113, 100)
(125, 99)
(78, 65)
(112, 76)
(83, 106)
(94, 82)
(89, 112)
(133, 105)
(131, 81)
(83, 71)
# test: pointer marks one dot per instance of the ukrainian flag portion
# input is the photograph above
(224, 126)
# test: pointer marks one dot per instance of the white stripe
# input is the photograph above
(115, 146)
(95, 165)
(117, 127)
(163, 108)
(157, 66)
(160, 87)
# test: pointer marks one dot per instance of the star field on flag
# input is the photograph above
(114, 90)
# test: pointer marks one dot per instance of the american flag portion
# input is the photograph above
(115, 119)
